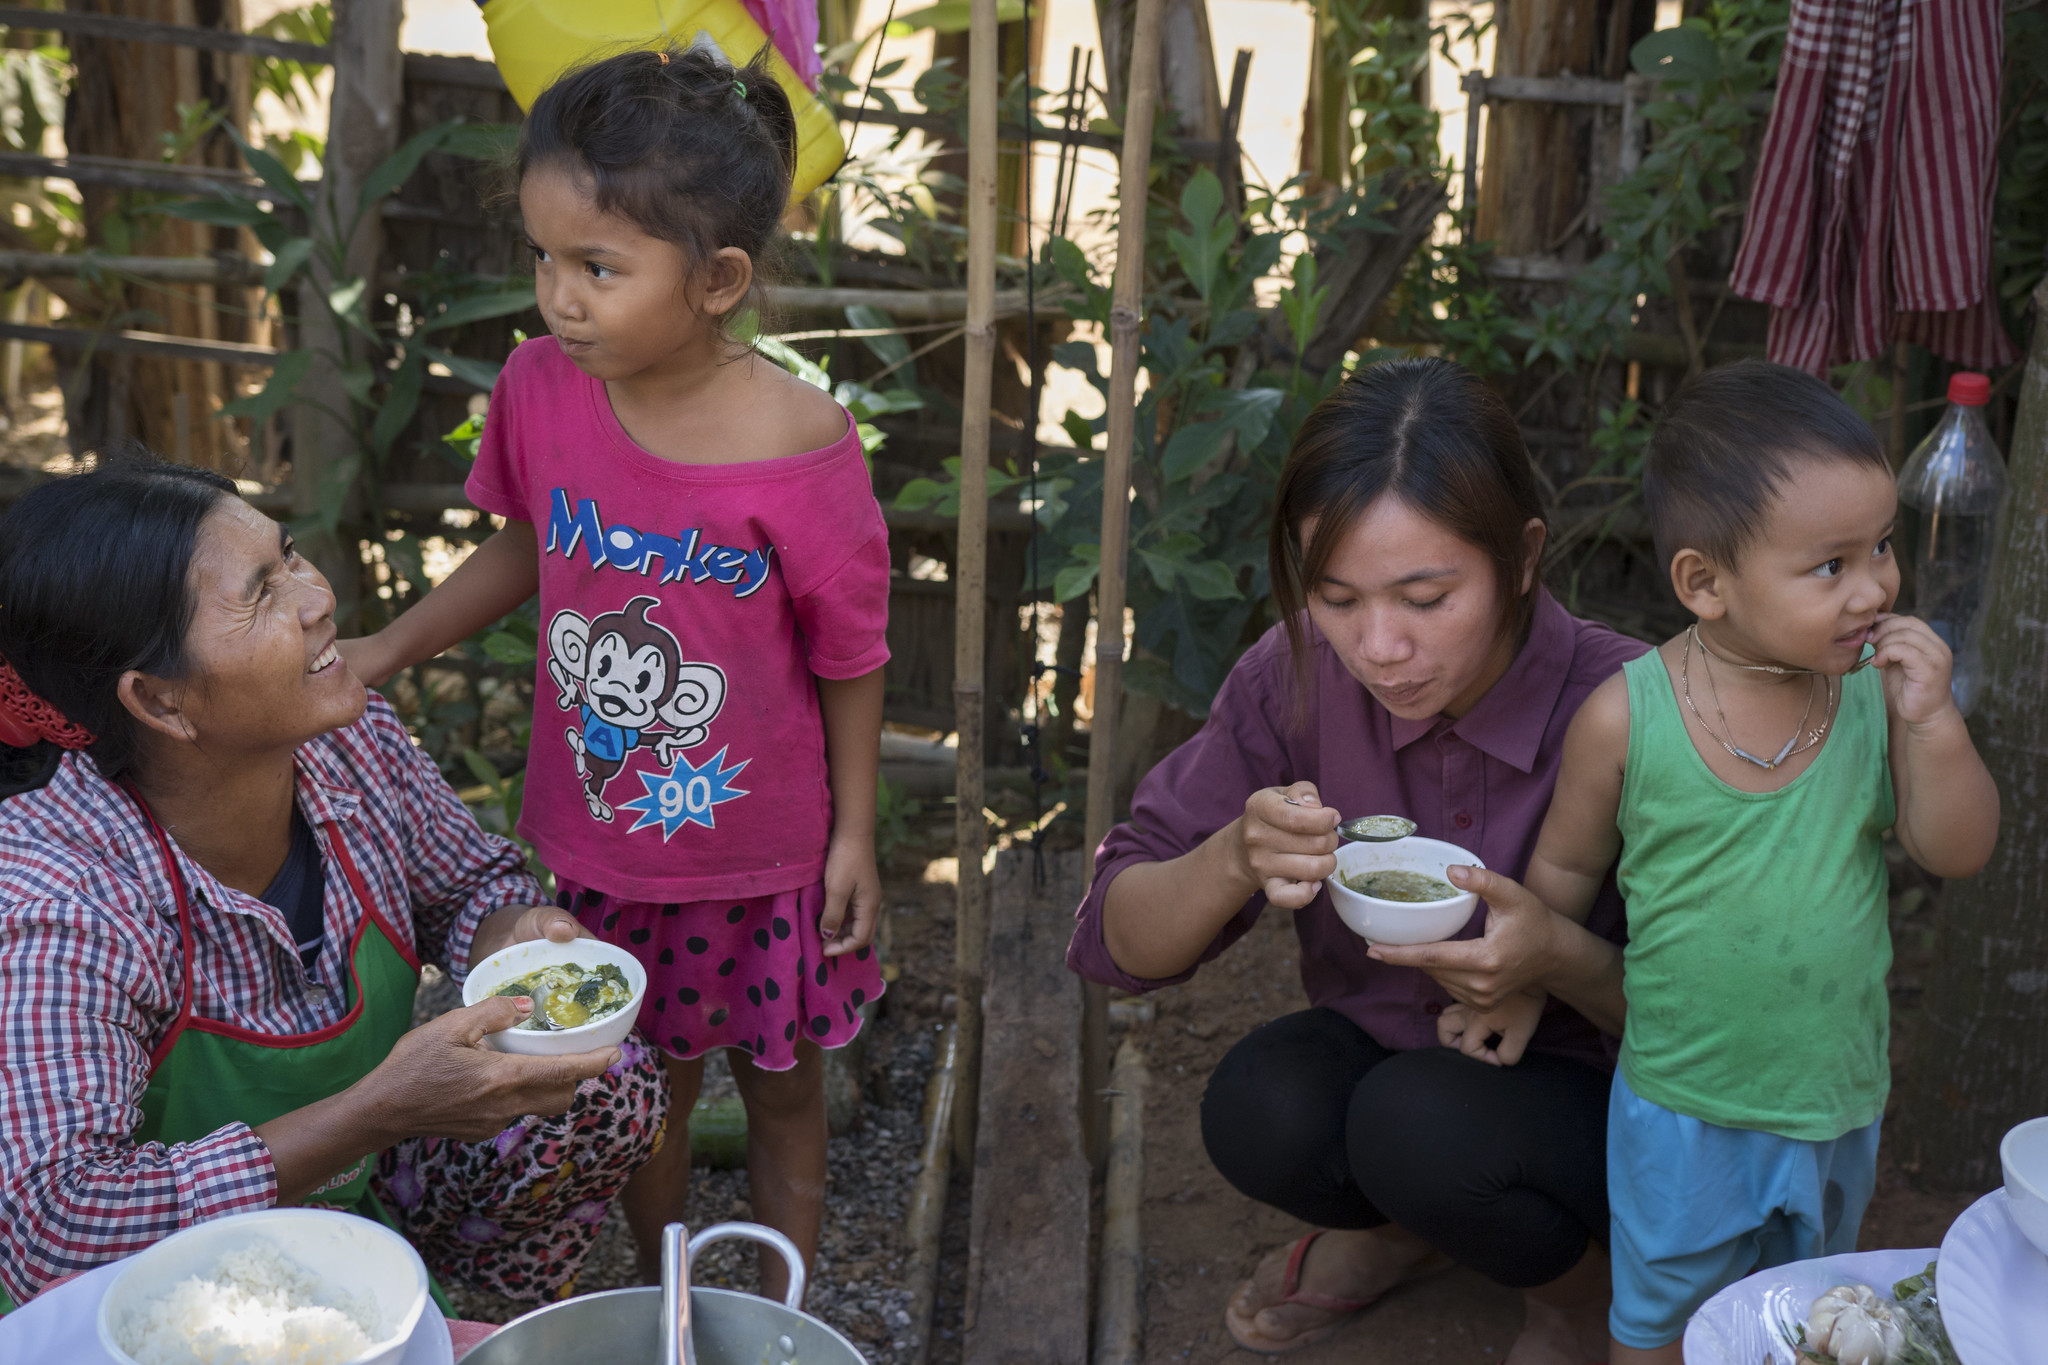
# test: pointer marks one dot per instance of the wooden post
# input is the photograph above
(1124, 318)
(1119, 1315)
(928, 1201)
(970, 572)
(362, 130)
(1538, 182)
(1980, 1055)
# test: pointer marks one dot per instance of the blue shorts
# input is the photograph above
(1697, 1206)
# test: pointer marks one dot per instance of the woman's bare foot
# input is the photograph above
(1343, 1266)
(1567, 1318)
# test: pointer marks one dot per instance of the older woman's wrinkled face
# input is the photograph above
(1413, 611)
(263, 671)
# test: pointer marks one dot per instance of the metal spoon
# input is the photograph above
(1376, 829)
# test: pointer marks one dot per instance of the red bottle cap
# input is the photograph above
(1970, 390)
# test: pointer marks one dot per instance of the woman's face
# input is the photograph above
(1413, 611)
(263, 671)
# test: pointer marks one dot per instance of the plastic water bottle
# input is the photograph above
(1954, 484)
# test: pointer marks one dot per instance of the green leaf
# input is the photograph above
(1678, 54)
(285, 377)
(481, 375)
(1190, 448)
(480, 767)
(286, 262)
(219, 212)
(891, 349)
(1211, 580)
(793, 360)
(480, 306)
(919, 494)
(1079, 430)
(483, 141)
(345, 296)
(401, 400)
(397, 168)
(1249, 412)
(509, 649)
(1077, 575)
(273, 173)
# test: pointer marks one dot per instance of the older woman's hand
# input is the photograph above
(1287, 843)
(524, 924)
(441, 1081)
(1526, 944)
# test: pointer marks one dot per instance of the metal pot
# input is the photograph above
(623, 1326)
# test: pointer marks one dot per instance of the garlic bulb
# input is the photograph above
(1856, 1326)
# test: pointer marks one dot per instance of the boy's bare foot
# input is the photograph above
(1338, 1274)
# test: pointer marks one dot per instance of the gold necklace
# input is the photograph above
(1778, 669)
(1813, 737)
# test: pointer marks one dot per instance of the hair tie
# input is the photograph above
(740, 88)
(26, 718)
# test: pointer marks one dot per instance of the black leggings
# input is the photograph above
(1503, 1169)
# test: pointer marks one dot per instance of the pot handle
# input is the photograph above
(766, 1236)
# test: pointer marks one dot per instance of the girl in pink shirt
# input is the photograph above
(713, 578)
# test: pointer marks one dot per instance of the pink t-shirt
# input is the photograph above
(678, 751)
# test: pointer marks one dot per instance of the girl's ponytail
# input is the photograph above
(771, 105)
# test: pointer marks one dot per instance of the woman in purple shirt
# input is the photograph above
(1423, 671)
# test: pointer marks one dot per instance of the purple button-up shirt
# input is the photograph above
(1482, 782)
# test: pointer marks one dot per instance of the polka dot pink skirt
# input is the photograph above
(748, 973)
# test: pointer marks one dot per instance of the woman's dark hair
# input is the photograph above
(94, 576)
(1724, 445)
(1425, 431)
(681, 143)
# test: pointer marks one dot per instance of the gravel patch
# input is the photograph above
(863, 1261)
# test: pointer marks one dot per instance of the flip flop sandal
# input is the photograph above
(1244, 1331)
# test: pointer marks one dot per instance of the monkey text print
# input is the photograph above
(687, 612)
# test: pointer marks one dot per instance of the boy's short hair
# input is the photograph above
(1724, 445)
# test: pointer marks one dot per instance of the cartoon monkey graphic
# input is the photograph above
(624, 673)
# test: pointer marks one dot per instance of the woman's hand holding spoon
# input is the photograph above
(1287, 842)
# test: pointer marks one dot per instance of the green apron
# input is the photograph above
(205, 1075)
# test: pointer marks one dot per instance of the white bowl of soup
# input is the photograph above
(586, 994)
(1397, 892)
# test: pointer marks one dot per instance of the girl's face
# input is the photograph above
(264, 675)
(1413, 611)
(620, 302)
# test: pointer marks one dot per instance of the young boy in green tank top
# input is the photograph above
(1745, 773)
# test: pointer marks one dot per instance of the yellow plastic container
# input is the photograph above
(535, 41)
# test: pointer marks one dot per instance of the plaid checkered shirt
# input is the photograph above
(91, 978)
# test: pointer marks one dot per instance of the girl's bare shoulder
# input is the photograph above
(791, 416)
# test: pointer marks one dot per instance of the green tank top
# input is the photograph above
(1758, 941)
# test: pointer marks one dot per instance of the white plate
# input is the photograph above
(1744, 1323)
(62, 1325)
(1993, 1289)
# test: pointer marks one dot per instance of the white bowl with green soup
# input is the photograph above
(586, 994)
(1397, 892)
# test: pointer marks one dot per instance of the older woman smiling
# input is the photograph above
(221, 865)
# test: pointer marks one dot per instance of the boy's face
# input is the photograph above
(1807, 591)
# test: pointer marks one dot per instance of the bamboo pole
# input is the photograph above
(1119, 1325)
(1124, 319)
(970, 568)
(928, 1201)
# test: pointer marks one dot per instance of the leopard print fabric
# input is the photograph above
(517, 1215)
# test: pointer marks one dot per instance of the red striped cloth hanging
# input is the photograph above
(1870, 217)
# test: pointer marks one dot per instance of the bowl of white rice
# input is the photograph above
(278, 1287)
